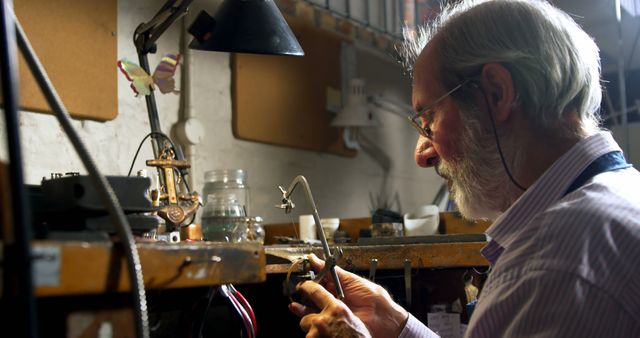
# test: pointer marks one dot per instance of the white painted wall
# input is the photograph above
(341, 186)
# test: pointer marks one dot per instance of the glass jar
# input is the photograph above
(255, 230)
(227, 181)
(223, 219)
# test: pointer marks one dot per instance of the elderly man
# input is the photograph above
(506, 95)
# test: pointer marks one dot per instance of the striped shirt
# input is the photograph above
(564, 265)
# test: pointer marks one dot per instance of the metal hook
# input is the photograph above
(373, 265)
(407, 282)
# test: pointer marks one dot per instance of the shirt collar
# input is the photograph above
(550, 187)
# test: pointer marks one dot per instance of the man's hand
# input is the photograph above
(335, 319)
(368, 301)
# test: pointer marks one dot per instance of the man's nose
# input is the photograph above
(425, 155)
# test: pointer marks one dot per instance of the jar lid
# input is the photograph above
(225, 175)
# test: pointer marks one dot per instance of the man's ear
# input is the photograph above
(499, 90)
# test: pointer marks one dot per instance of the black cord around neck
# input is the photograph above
(495, 133)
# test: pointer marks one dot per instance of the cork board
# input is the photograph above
(281, 100)
(76, 41)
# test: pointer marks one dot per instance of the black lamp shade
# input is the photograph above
(245, 26)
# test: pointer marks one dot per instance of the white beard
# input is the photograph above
(478, 182)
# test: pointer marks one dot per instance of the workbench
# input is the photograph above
(82, 284)
(358, 257)
(84, 268)
(436, 277)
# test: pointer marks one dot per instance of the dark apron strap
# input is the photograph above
(608, 162)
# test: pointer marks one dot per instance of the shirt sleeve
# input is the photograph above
(415, 329)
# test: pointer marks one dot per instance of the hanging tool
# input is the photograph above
(373, 266)
(407, 282)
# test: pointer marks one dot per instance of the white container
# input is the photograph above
(307, 228)
(329, 227)
(422, 222)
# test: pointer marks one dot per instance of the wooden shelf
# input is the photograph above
(80, 268)
(358, 257)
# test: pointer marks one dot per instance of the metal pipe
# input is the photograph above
(152, 109)
(622, 84)
(18, 274)
(106, 193)
(185, 112)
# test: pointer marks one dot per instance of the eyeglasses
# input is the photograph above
(425, 116)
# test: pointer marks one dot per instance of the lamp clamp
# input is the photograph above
(177, 207)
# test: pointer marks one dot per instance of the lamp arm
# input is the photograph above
(148, 33)
(329, 258)
(144, 39)
(152, 110)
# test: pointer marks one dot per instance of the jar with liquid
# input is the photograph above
(224, 219)
(227, 181)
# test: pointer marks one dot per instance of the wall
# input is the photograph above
(341, 186)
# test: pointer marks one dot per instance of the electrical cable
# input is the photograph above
(245, 304)
(153, 133)
(240, 310)
(200, 325)
(106, 193)
(186, 184)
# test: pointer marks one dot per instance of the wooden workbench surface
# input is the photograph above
(358, 257)
(77, 267)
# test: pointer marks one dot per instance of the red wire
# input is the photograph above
(243, 301)
(245, 317)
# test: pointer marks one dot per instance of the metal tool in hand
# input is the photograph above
(330, 260)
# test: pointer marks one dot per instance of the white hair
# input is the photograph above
(554, 64)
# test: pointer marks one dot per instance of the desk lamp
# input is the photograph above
(242, 26)
(357, 113)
